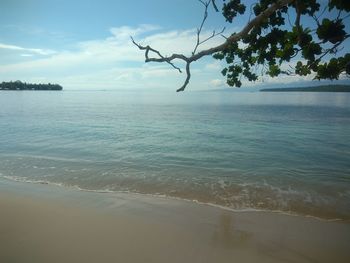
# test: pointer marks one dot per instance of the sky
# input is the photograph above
(85, 44)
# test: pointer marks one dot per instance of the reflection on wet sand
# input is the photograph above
(228, 235)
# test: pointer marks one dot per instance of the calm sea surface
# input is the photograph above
(285, 152)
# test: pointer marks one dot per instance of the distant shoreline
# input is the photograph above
(18, 86)
(324, 88)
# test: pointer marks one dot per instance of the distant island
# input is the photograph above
(325, 88)
(19, 85)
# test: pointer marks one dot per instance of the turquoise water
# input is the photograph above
(285, 152)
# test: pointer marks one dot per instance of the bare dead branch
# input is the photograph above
(188, 73)
(161, 57)
(255, 22)
(214, 5)
(321, 14)
(199, 30)
(204, 3)
(214, 34)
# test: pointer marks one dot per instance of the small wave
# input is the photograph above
(51, 158)
(27, 180)
(169, 197)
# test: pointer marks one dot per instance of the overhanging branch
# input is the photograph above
(256, 22)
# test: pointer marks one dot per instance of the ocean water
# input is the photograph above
(287, 152)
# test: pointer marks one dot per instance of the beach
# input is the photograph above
(46, 223)
(94, 176)
(104, 158)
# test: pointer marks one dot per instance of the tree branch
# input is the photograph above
(233, 38)
(188, 73)
(199, 30)
(161, 57)
(214, 5)
(245, 31)
(297, 19)
(332, 49)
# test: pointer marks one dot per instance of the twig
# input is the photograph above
(161, 59)
(199, 30)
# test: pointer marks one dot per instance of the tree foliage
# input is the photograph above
(303, 34)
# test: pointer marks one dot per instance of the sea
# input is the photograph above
(285, 152)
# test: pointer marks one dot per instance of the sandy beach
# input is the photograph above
(45, 223)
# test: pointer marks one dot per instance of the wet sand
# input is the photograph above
(44, 223)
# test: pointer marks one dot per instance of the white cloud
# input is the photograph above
(286, 79)
(217, 83)
(97, 57)
(27, 55)
(32, 50)
(100, 53)
(215, 65)
(124, 32)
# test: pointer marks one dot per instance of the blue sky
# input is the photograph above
(85, 44)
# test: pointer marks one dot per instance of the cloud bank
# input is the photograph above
(114, 62)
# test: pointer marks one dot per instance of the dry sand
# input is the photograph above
(43, 223)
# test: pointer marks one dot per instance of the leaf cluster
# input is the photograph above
(276, 41)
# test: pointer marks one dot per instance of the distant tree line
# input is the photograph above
(324, 88)
(18, 85)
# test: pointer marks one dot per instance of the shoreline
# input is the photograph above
(226, 208)
(46, 223)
